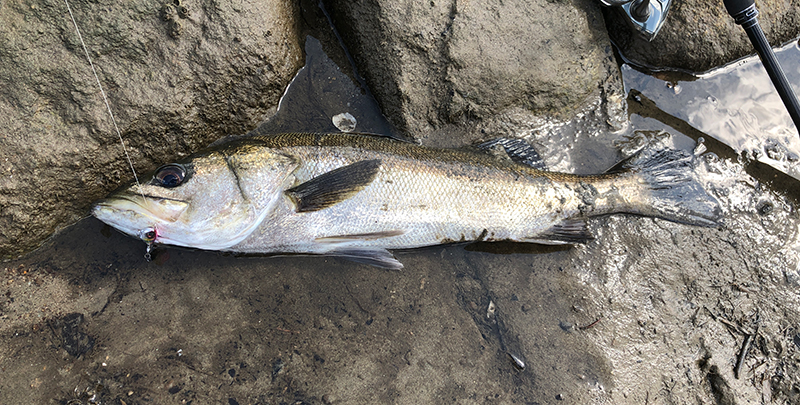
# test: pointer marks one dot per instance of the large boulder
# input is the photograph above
(178, 75)
(699, 34)
(436, 64)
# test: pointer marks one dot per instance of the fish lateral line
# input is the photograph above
(361, 236)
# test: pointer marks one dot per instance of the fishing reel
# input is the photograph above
(645, 16)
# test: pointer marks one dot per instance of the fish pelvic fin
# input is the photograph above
(377, 257)
(346, 247)
(334, 186)
(675, 194)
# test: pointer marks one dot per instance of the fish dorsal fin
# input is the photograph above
(624, 165)
(517, 150)
(334, 186)
(565, 232)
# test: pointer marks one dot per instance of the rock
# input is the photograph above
(699, 34)
(442, 63)
(178, 75)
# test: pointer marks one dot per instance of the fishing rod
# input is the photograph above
(744, 13)
(648, 16)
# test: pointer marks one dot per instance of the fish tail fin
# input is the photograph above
(675, 194)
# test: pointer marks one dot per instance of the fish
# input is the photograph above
(360, 196)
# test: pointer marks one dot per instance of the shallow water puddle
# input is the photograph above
(736, 104)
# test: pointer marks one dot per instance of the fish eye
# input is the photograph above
(170, 175)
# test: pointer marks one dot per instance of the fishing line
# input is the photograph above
(105, 99)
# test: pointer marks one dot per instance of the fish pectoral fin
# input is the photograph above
(360, 236)
(566, 232)
(377, 257)
(518, 150)
(334, 186)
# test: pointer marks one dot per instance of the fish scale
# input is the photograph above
(429, 204)
(356, 196)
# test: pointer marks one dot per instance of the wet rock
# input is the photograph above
(438, 64)
(177, 77)
(764, 207)
(699, 34)
(775, 150)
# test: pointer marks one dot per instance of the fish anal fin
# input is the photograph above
(360, 236)
(568, 231)
(334, 186)
(377, 257)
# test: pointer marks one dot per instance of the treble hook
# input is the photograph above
(147, 255)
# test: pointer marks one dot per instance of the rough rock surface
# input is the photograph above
(699, 35)
(440, 63)
(178, 76)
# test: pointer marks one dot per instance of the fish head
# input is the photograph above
(211, 201)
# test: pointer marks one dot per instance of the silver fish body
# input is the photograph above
(356, 196)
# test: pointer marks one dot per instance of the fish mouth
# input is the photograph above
(132, 213)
